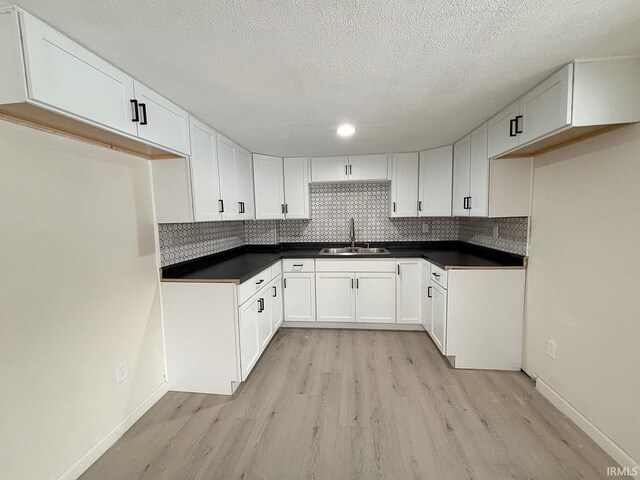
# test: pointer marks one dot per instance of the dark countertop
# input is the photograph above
(240, 264)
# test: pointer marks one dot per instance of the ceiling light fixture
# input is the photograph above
(345, 130)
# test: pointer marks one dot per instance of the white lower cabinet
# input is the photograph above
(335, 297)
(375, 298)
(249, 328)
(439, 316)
(425, 294)
(299, 297)
(408, 291)
(277, 305)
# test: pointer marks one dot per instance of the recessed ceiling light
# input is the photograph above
(345, 130)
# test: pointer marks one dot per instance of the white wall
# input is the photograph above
(583, 281)
(78, 293)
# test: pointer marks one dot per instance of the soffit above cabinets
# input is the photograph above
(278, 77)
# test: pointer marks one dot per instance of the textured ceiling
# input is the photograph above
(278, 76)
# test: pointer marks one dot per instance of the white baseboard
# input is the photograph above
(355, 326)
(597, 435)
(110, 438)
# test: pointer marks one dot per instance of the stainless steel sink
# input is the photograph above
(354, 251)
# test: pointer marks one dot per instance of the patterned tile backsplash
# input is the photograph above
(332, 207)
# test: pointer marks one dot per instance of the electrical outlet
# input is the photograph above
(551, 348)
(425, 228)
(496, 231)
(122, 371)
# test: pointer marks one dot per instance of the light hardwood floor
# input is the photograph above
(344, 404)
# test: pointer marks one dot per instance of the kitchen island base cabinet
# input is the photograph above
(479, 318)
(200, 322)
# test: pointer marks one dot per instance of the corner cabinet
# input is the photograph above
(281, 187)
(82, 92)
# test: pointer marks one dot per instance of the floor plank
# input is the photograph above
(349, 404)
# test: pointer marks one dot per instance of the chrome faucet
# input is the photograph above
(352, 234)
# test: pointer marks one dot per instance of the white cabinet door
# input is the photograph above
(461, 176)
(265, 318)
(269, 187)
(368, 167)
(172, 195)
(299, 297)
(277, 306)
(296, 187)
(501, 128)
(329, 169)
(426, 295)
(161, 121)
(439, 317)
(229, 193)
(335, 297)
(547, 107)
(375, 297)
(67, 77)
(204, 172)
(249, 340)
(478, 204)
(404, 185)
(244, 168)
(409, 288)
(436, 182)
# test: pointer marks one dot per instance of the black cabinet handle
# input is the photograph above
(468, 203)
(275, 291)
(394, 206)
(220, 206)
(260, 305)
(419, 205)
(512, 127)
(143, 108)
(282, 208)
(437, 275)
(350, 171)
(286, 208)
(346, 169)
(398, 269)
(357, 283)
(352, 284)
(464, 203)
(518, 117)
(429, 292)
(285, 283)
(298, 265)
(260, 281)
(134, 105)
(241, 207)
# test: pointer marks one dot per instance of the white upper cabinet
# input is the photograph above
(502, 131)
(461, 176)
(404, 185)
(269, 187)
(245, 184)
(368, 167)
(69, 78)
(204, 172)
(235, 167)
(296, 187)
(578, 100)
(160, 121)
(546, 108)
(329, 169)
(435, 182)
(478, 202)
(354, 168)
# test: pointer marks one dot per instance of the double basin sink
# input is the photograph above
(354, 251)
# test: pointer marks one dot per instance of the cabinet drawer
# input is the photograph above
(251, 286)
(356, 265)
(298, 265)
(439, 275)
(276, 269)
